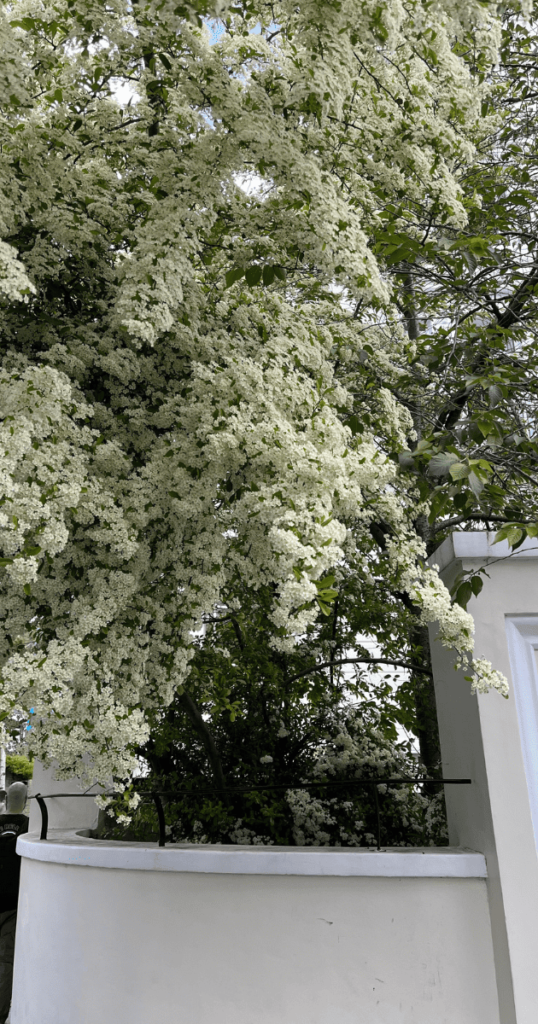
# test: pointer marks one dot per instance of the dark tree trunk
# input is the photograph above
(203, 731)
(427, 728)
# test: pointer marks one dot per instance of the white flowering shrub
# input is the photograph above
(180, 369)
(358, 749)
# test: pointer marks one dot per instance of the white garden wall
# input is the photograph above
(112, 933)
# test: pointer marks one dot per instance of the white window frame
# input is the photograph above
(522, 637)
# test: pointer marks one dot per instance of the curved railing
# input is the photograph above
(155, 796)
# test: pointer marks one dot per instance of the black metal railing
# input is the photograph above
(155, 795)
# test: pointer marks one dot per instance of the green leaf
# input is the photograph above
(438, 504)
(501, 535)
(327, 582)
(495, 395)
(511, 532)
(253, 275)
(423, 488)
(354, 425)
(478, 246)
(517, 538)
(476, 484)
(475, 433)
(484, 425)
(164, 60)
(476, 584)
(280, 273)
(406, 460)
(268, 274)
(464, 593)
(441, 464)
(26, 23)
(234, 275)
(27, 589)
(458, 471)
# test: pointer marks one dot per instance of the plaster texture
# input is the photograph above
(77, 811)
(495, 742)
(105, 945)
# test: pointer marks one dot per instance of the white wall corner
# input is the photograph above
(495, 743)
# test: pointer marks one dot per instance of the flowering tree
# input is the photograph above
(200, 205)
(278, 747)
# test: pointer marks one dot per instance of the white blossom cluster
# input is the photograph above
(361, 754)
(242, 836)
(14, 282)
(485, 677)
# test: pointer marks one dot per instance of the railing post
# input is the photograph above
(44, 816)
(160, 815)
(377, 815)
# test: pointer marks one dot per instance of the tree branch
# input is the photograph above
(362, 661)
(515, 306)
(201, 728)
(480, 517)
(238, 633)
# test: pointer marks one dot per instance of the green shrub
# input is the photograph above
(19, 766)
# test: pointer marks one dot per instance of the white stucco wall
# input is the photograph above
(495, 742)
(76, 811)
(178, 935)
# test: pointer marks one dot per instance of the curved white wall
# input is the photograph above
(129, 934)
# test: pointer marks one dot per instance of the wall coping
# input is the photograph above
(70, 847)
(478, 544)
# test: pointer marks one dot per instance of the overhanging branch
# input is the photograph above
(411, 666)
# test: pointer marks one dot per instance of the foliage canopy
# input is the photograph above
(266, 334)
